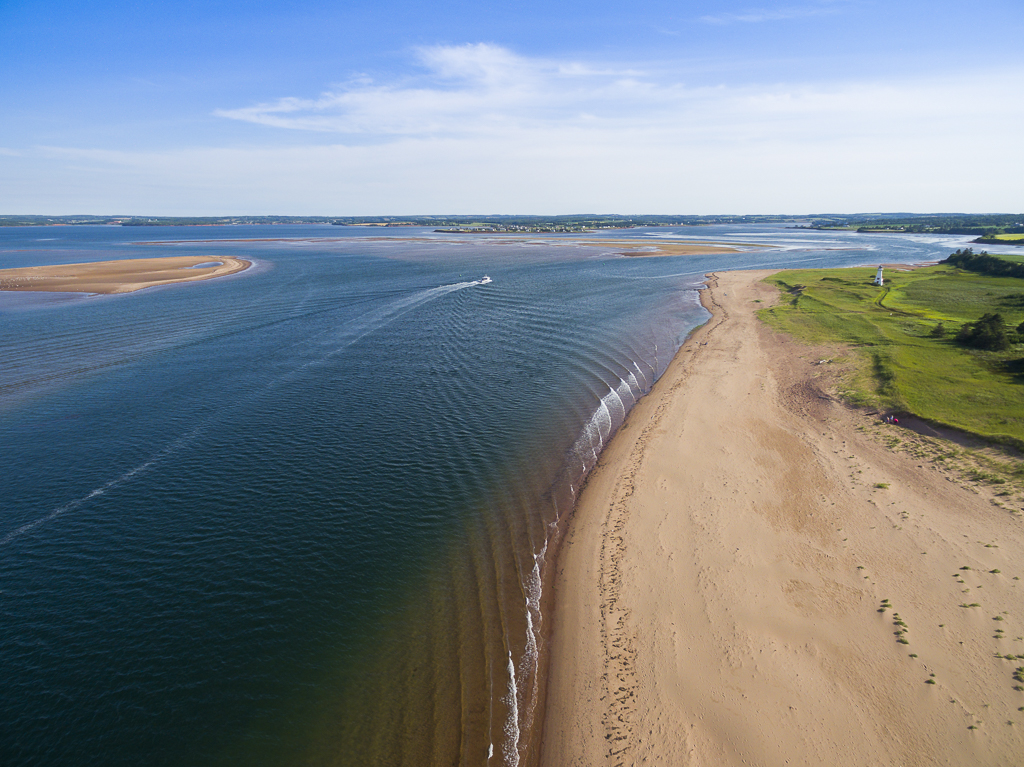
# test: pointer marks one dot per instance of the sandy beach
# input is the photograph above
(119, 276)
(752, 577)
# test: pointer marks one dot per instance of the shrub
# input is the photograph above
(989, 332)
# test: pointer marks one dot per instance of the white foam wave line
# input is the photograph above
(625, 389)
(634, 386)
(521, 711)
(607, 417)
(647, 382)
(654, 371)
(102, 490)
(490, 712)
(527, 664)
(692, 296)
(533, 588)
(603, 421)
(510, 748)
(616, 412)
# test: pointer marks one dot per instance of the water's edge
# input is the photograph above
(564, 523)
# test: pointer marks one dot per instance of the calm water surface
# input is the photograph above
(305, 514)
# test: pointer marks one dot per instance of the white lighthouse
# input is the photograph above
(878, 276)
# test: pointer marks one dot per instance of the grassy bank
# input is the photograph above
(898, 363)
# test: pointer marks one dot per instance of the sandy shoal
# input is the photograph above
(119, 276)
(632, 248)
(718, 591)
(636, 249)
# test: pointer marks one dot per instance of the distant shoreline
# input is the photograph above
(127, 276)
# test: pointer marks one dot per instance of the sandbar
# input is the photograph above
(646, 249)
(119, 276)
(623, 247)
(752, 576)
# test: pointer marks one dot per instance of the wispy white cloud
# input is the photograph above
(9, 152)
(781, 13)
(487, 93)
(483, 129)
(462, 89)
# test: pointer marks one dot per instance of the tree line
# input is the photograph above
(990, 331)
(983, 263)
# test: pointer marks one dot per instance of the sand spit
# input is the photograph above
(119, 276)
(642, 249)
(751, 577)
(633, 248)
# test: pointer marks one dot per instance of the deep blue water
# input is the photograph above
(302, 514)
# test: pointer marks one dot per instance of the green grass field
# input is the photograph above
(1010, 237)
(899, 365)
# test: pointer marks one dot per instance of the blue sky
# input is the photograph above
(211, 108)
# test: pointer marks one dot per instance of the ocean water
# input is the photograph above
(306, 514)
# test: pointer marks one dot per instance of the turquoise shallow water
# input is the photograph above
(304, 514)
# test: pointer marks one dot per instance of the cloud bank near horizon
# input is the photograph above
(480, 128)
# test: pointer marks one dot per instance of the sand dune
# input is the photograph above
(736, 582)
(119, 276)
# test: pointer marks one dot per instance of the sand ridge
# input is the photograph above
(737, 586)
(123, 276)
(632, 248)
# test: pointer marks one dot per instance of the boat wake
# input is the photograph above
(362, 327)
(114, 483)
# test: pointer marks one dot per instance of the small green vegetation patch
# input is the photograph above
(904, 337)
